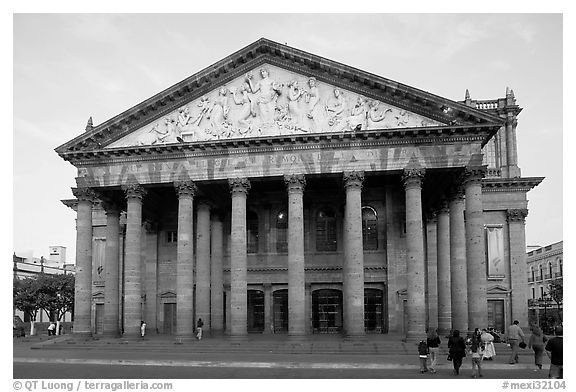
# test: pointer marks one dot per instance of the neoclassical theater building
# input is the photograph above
(280, 192)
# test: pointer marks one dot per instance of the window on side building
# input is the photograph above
(369, 228)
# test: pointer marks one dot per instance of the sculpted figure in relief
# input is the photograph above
(357, 118)
(334, 107)
(295, 93)
(247, 111)
(218, 114)
(376, 114)
(269, 92)
(312, 97)
(155, 135)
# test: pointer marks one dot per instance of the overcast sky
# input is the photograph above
(73, 66)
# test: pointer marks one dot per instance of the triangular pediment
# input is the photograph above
(221, 102)
(271, 101)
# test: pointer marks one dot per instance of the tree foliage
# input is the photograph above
(556, 292)
(52, 293)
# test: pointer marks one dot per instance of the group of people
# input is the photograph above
(198, 335)
(480, 346)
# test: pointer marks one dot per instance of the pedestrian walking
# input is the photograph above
(456, 350)
(476, 353)
(514, 336)
(488, 340)
(433, 343)
(199, 326)
(536, 342)
(142, 329)
(423, 355)
(554, 348)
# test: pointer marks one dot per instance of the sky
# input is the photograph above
(69, 67)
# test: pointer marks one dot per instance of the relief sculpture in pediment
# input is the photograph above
(270, 102)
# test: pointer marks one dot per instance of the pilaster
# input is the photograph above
(112, 271)
(517, 244)
(458, 270)
(203, 264)
(443, 272)
(216, 275)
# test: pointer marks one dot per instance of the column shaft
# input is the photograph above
(203, 265)
(216, 278)
(459, 293)
(296, 291)
(185, 261)
(112, 271)
(353, 269)
(431, 272)
(238, 259)
(268, 308)
(83, 285)
(416, 301)
(475, 250)
(517, 238)
(443, 244)
(133, 262)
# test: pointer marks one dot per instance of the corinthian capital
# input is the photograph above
(134, 191)
(413, 176)
(517, 215)
(474, 174)
(84, 194)
(295, 182)
(353, 179)
(239, 185)
(185, 188)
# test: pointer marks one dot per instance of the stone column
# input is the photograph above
(296, 278)
(516, 232)
(431, 271)
(268, 308)
(83, 286)
(203, 265)
(458, 279)
(216, 278)
(185, 261)
(132, 262)
(511, 154)
(239, 188)
(475, 249)
(416, 301)
(112, 271)
(443, 251)
(308, 296)
(353, 269)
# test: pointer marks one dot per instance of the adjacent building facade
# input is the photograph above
(280, 192)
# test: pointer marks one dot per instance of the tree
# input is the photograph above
(26, 298)
(556, 292)
(56, 296)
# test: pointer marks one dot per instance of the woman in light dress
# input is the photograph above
(488, 341)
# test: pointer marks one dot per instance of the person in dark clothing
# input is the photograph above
(554, 350)
(457, 350)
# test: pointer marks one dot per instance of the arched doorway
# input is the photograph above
(280, 299)
(327, 311)
(373, 311)
(255, 311)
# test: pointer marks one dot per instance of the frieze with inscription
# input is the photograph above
(271, 101)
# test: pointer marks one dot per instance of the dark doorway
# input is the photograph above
(255, 311)
(280, 298)
(373, 311)
(99, 316)
(169, 319)
(496, 314)
(327, 311)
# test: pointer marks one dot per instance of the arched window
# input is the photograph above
(541, 272)
(560, 267)
(533, 293)
(541, 292)
(369, 228)
(282, 232)
(532, 273)
(326, 231)
(550, 270)
(252, 232)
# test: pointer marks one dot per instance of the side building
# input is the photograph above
(544, 267)
(277, 191)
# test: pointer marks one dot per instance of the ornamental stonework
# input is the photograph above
(413, 176)
(271, 101)
(517, 215)
(353, 179)
(239, 185)
(185, 188)
(84, 194)
(295, 182)
(474, 175)
(134, 191)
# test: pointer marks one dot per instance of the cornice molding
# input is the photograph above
(320, 141)
(523, 184)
